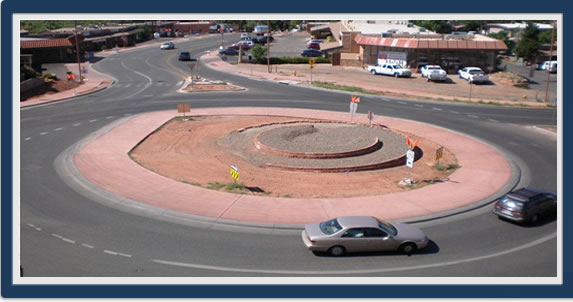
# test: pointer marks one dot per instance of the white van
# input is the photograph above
(260, 30)
(549, 65)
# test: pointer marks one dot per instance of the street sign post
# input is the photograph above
(410, 159)
(311, 65)
(370, 117)
(235, 173)
(354, 100)
(439, 154)
(182, 108)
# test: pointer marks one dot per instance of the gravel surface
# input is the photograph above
(323, 137)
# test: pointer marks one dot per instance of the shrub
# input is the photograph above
(28, 72)
(291, 60)
(50, 76)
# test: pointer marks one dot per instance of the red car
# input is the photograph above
(246, 46)
(313, 45)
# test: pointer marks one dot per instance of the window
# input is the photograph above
(330, 227)
(354, 233)
(375, 233)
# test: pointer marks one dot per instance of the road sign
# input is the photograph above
(439, 153)
(355, 99)
(370, 117)
(410, 159)
(182, 108)
(311, 62)
(235, 172)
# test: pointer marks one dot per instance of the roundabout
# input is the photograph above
(182, 180)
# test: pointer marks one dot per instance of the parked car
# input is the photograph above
(473, 75)
(526, 205)
(229, 52)
(311, 53)
(362, 234)
(550, 66)
(246, 45)
(389, 69)
(184, 56)
(167, 45)
(263, 39)
(313, 45)
(245, 35)
(433, 73)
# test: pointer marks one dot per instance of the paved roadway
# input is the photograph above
(64, 232)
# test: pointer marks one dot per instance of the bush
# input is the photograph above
(28, 72)
(50, 76)
(330, 39)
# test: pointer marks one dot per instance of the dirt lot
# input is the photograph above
(190, 150)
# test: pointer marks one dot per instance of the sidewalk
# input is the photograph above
(456, 90)
(104, 161)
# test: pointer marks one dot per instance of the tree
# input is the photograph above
(528, 45)
(259, 53)
(545, 37)
(439, 26)
(504, 36)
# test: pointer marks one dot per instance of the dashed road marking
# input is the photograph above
(473, 116)
(127, 114)
(418, 105)
(88, 246)
(91, 121)
(402, 102)
(454, 112)
(437, 109)
(58, 129)
(109, 117)
(69, 240)
(127, 86)
(160, 83)
(31, 225)
(27, 138)
(492, 120)
(43, 133)
(117, 253)
(57, 236)
(77, 124)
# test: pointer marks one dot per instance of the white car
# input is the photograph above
(167, 45)
(389, 69)
(433, 73)
(473, 75)
(550, 66)
(248, 43)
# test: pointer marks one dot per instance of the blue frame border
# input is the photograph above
(9, 290)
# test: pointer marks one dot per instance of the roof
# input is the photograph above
(357, 221)
(62, 42)
(519, 26)
(430, 44)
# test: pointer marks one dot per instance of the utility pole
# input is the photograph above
(269, 47)
(222, 30)
(78, 51)
(550, 59)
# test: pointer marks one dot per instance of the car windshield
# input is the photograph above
(397, 67)
(387, 227)
(433, 68)
(475, 71)
(330, 227)
(511, 203)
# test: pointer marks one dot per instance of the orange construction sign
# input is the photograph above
(355, 99)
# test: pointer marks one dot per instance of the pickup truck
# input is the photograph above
(433, 73)
(389, 69)
(473, 75)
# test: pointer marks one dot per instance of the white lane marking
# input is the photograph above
(31, 225)
(27, 138)
(91, 121)
(149, 80)
(473, 116)
(58, 129)
(88, 246)
(109, 117)
(492, 120)
(57, 236)
(418, 105)
(43, 133)
(159, 83)
(179, 83)
(363, 271)
(127, 114)
(454, 112)
(77, 124)
(438, 109)
(385, 100)
(126, 86)
(117, 253)
(38, 229)
(402, 102)
(69, 240)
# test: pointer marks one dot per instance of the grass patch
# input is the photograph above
(448, 167)
(215, 185)
(189, 183)
(229, 187)
(341, 87)
(183, 118)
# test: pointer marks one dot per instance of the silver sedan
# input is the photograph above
(362, 234)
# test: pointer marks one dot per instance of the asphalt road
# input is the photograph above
(65, 232)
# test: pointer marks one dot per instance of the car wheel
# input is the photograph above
(428, 79)
(336, 250)
(373, 71)
(534, 218)
(396, 75)
(407, 248)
